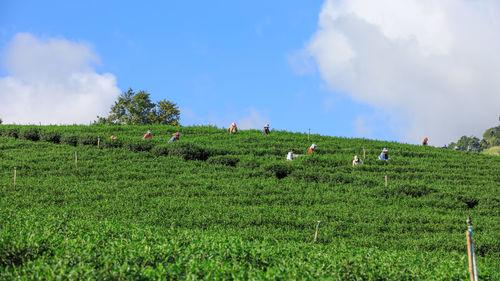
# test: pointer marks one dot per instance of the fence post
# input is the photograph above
(364, 153)
(316, 235)
(98, 142)
(385, 179)
(470, 251)
(15, 176)
(76, 159)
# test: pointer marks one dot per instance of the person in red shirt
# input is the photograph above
(424, 142)
(312, 148)
(147, 136)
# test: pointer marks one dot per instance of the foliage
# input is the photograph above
(166, 113)
(31, 134)
(466, 143)
(223, 160)
(130, 213)
(187, 151)
(137, 109)
(50, 136)
(87, 140)
(69, 140)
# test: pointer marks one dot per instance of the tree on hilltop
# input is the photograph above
(137, 109)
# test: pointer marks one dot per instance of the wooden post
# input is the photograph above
(385, 179)
(76, 159)
(364, 153)
(470, 251)
(98, 142)
(316, 235)
(15, 176)
(308, 133)
(469, 254)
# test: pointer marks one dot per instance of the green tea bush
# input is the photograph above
(112, 143)
(31, 134)
(223, 160)
(160, 150)
(9, 132)
(137, 146)
(69, 140)
(188, 151)
(87, 140)
(280, 170)
(50, 136)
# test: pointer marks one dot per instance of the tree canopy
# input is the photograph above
(137, 109)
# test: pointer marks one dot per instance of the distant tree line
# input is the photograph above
(137, 109)
(491, 138)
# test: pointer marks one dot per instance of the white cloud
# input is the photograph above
(52, 81)
(254, 120)
(437, 61)
(362, 128)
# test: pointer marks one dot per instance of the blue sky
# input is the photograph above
(220, 61)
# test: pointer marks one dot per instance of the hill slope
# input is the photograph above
(218, 206)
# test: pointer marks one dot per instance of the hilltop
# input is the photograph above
(218, 206)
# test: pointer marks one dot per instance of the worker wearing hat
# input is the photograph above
(266, 130)
(384, 155)
(147, 136)
(356, 161)
(232, 129)
(175, 137)
(312, 148)
(424, 142)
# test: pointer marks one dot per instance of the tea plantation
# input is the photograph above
(214, 206)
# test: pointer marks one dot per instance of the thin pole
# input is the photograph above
(316, 235)
(308, 133)
(386, 179)
(364, 153)
(98, 142)
(470, 245)
(15, 176)
(76, 159)
(469, 254)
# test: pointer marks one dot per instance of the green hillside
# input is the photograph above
(217, 206)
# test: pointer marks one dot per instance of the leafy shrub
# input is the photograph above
(112, 143)
(160, 150)
(87, 140)
(188, 151)
(139, 146)
(281, 170)
(414, 191)
(223, 160)
(69, 140)
(13, 133)
(50, 137)
(31, 134)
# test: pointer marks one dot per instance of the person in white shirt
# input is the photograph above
(356, 161)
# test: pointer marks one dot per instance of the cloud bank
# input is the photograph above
(436, 61)
(51, 81)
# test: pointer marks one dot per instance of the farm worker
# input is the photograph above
(289, 156)
(112, 138)
(266, 130)
(384, 155)
(175, 137)
(312, 148)
(456, 148)
(147, 136)
(232, 129)
(356, 161)
(424, 142)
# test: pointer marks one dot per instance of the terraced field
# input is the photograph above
(218, 206)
